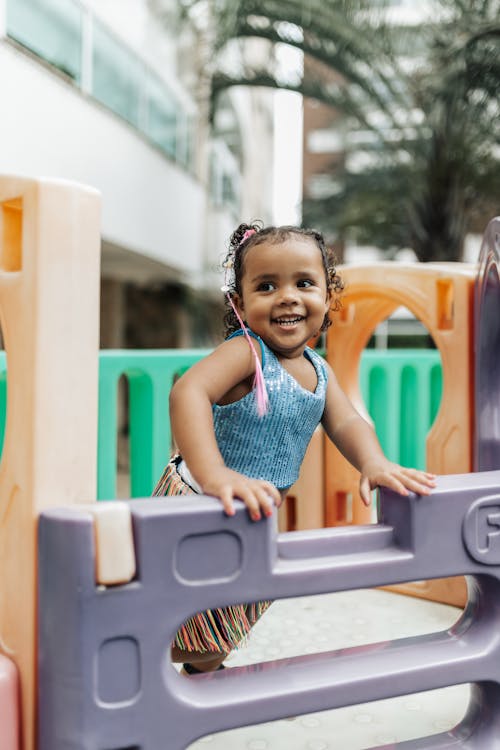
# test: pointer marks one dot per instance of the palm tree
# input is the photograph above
(433, 127)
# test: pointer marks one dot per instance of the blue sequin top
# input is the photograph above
(272, 447)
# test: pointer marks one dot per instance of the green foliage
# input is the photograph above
(426, 97)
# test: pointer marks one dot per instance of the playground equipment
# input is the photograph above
(440, 295)
(49, 302)
(150, 376)
(151, 373)
(487, 352)
(111, 703)
(106, 619)
(109, 645)
(401, 390)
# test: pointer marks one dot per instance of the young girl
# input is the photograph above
(242, 417)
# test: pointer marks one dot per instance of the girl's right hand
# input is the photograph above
(258, 495)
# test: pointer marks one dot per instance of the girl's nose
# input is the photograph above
(288, 295)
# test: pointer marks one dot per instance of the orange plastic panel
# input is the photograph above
(49, 302)
(9, 705)
(444, 590)
(304, 507)
(440, 295)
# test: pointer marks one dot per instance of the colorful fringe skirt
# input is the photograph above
(217, 630)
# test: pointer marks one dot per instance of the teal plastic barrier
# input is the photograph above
(150, 375)
(401, 388)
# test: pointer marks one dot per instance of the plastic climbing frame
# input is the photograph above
(49, 303)
(105, 678)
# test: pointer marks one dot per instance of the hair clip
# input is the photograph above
(248, 233)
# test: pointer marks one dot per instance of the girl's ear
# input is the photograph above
(238, 302)
(328, 298)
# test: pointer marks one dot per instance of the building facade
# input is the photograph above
(104, 93)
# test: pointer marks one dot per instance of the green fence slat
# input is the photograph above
(141, 431)
(109, 375)
(412, 379)
(150, 375)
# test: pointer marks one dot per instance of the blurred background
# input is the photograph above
(376, 122)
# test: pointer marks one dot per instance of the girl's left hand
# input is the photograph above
(398, 478)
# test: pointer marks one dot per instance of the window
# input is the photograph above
(51, 29)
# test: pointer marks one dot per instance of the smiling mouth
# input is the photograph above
(288, 321)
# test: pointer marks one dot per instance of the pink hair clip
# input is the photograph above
(248, 233)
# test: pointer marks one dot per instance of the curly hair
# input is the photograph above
(249, 235)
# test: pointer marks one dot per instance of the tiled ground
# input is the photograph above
(333, 621)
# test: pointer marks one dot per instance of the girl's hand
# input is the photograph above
(384, 473)
(258, 495)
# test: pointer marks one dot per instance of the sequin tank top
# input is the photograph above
(271, 447)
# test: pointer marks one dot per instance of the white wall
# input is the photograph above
(47, 128)
(155, 43)
(255, 111)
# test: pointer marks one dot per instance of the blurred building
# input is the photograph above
(104, 92)
(331, 144)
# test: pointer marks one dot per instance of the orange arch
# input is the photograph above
(439, 295)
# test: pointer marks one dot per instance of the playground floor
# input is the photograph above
(332, 621)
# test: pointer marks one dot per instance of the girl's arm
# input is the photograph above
(357, 441)
(191, 399)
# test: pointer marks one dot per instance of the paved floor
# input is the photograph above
(332, 621)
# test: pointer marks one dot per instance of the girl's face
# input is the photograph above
(284, 296)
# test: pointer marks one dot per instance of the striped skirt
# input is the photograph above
(216, 630)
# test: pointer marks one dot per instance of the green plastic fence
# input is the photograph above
(150, 375)
(401, 388)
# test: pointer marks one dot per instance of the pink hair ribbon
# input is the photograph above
(258, 382)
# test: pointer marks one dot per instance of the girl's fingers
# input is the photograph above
(250, 497)
(423, 477)
(399, 479)
(226, 498)
(365, 492)
(408, 479)
(253, 506)
(259, 497)
(418, 481)
(272, 493)
(266, 502)
(395, 484)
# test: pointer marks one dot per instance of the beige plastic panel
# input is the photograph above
(10, 737)
(49, 303)
(114, 542)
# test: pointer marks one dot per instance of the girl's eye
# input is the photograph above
(304, 283)
(265, 286)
